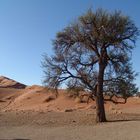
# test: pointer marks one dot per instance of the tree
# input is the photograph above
(91, 52)
(122, 85)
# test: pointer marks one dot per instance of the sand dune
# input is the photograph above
(38, 98)
(9, 83)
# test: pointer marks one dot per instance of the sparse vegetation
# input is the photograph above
(49, 98)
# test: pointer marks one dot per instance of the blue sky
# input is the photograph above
(27, 28)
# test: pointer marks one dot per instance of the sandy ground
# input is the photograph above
(76, 125)
(117, 131)
(27, 114)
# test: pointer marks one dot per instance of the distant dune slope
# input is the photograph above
(9, 83)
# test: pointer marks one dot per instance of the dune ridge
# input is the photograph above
(6, 82)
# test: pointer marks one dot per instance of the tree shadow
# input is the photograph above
(122, 120)
(16, 139)
(20, 139)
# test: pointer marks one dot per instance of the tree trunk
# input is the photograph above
(100, 110)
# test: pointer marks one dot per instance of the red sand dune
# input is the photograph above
(38, 98)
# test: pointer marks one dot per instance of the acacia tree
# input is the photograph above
(91, 52)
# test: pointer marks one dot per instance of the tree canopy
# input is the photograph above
(94, 53)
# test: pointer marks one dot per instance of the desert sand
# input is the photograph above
(34, 113)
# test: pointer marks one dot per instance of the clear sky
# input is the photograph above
(27, 28)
